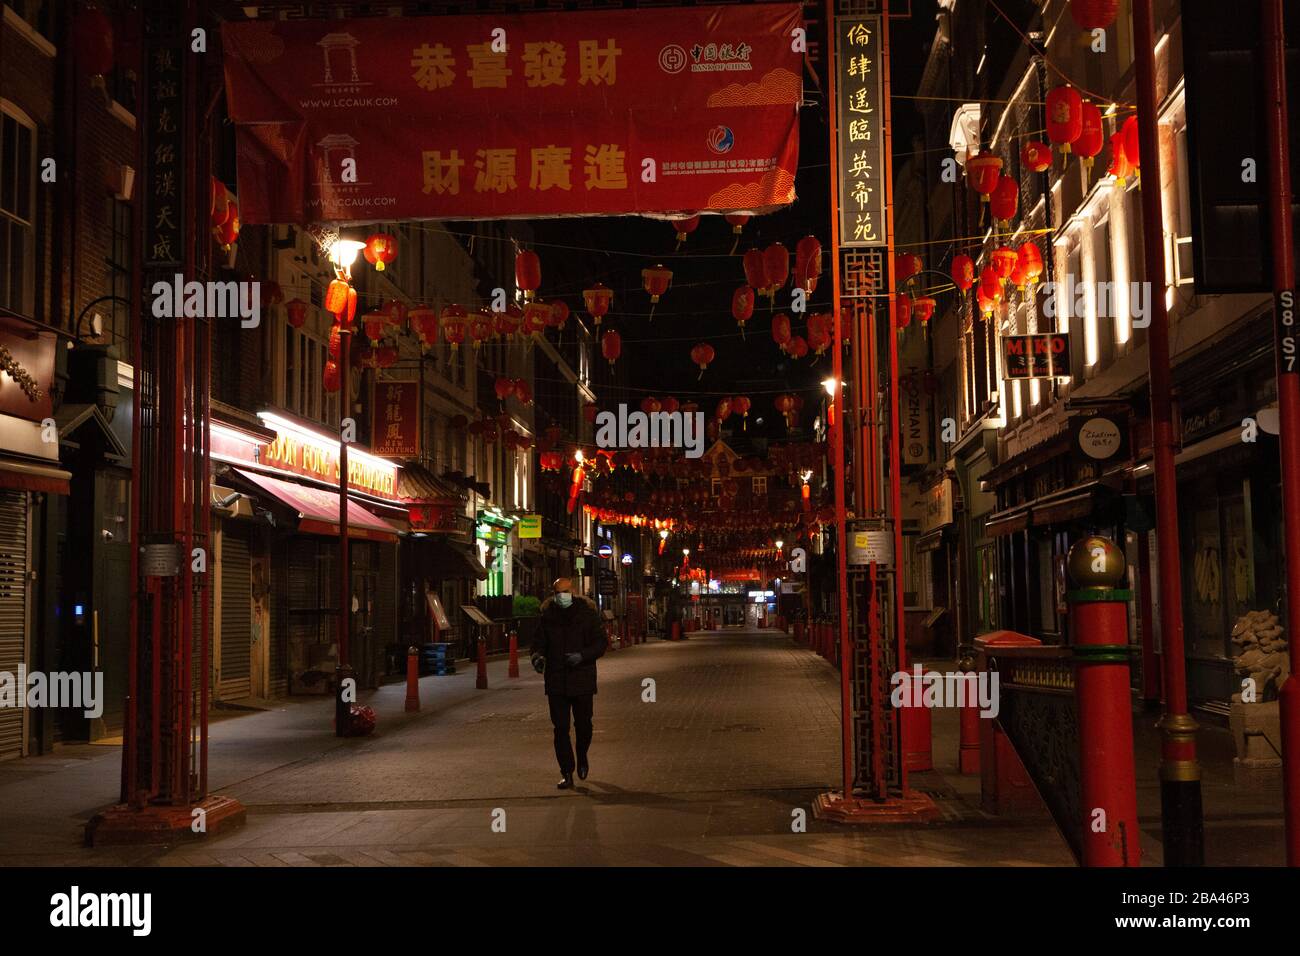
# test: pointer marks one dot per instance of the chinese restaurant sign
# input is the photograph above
(544, 114)
(1036, 356)
(396, 427)
(858, 97)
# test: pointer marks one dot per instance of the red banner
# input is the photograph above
(396, 425)
(542, 114)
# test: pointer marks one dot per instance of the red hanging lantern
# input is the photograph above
(454, 322)
(330, 379)
(1119, 164)
(982, 173)
(906, 265)
(228, 232)
(1019, 276)
(742, 306)
(536, 315)
(92, 41)
(798, 347)
(990, 283)
(598, 300)
(785, 405)
(1132, 144)
(1094, 14)
(722, 411)
(685, 227)
(559, 314)
(424, 321)
(807, 262)
(963, 272)
(1036, 156)
(1004, 260)
(385, 356)
(670, 405)
(480, 327)
(902, 310)
(755, 270)
(336, 297)
(781, 329)
(272, 294)
(987, 303)
(819, 337)
(380, 249)
(1005, 200)
(650, 405)
(506, 323)
(923, 308)
(523, 392)
(1092, 135)
(1064, 117)
(737, 222)
(589, 412)
(702, 355)
(1031, 261)
(741, 404)
(611, 346)
(296, 309)
(776, 266)
(528, 273)
(504, 387)
(656, 281)
(373, 324)
(335, 346)
(350, 313)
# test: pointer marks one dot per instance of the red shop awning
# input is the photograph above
(318, 509)
(22, 476)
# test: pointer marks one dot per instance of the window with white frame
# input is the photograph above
(17, 211)
(302, 385)
(759, 486)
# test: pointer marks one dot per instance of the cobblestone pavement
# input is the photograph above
(742, 735)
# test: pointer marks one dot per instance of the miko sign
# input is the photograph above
(1036, 356)
(606, 112)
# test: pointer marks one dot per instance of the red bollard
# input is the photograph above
(412, 678)
(675, 632)
(513, 670)
(968, 722)
(1107, 780)
(481, 682)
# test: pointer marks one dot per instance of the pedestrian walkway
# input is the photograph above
(706, 752)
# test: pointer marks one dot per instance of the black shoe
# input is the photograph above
(566, 782)
(582, 771)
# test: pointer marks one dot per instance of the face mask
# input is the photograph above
(563, 598)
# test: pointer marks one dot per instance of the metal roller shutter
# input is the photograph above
(13, 613)
(236, 623)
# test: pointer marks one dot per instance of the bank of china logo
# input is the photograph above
(672, 59)
(721, 139)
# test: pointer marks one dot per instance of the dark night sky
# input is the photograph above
(697, 306)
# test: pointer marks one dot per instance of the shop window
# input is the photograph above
(119, 263)
(17, 213)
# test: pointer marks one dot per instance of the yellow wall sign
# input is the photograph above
(530, 526)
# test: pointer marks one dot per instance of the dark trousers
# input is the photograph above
(582, 706)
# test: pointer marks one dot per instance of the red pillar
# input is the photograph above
(1288, 390)
(1107, 780)
(513, 670)
(412, 679)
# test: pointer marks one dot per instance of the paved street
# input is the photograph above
(743, 732)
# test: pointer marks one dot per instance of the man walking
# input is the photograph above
(565, 649)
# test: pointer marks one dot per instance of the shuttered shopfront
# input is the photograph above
(236, 623)
(13, 613)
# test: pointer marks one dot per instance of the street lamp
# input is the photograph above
(343, 253)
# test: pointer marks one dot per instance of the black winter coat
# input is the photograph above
(575, 629)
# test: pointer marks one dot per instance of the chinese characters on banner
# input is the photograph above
(575, 113)
(163, 187)
(859, 93)
(395, 429)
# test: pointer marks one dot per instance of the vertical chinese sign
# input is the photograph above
(163, 218)
(859, 91)
(395, 431)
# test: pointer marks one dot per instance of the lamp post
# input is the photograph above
(342, 254)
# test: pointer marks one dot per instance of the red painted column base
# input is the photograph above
(913, 807)
(123, 825)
